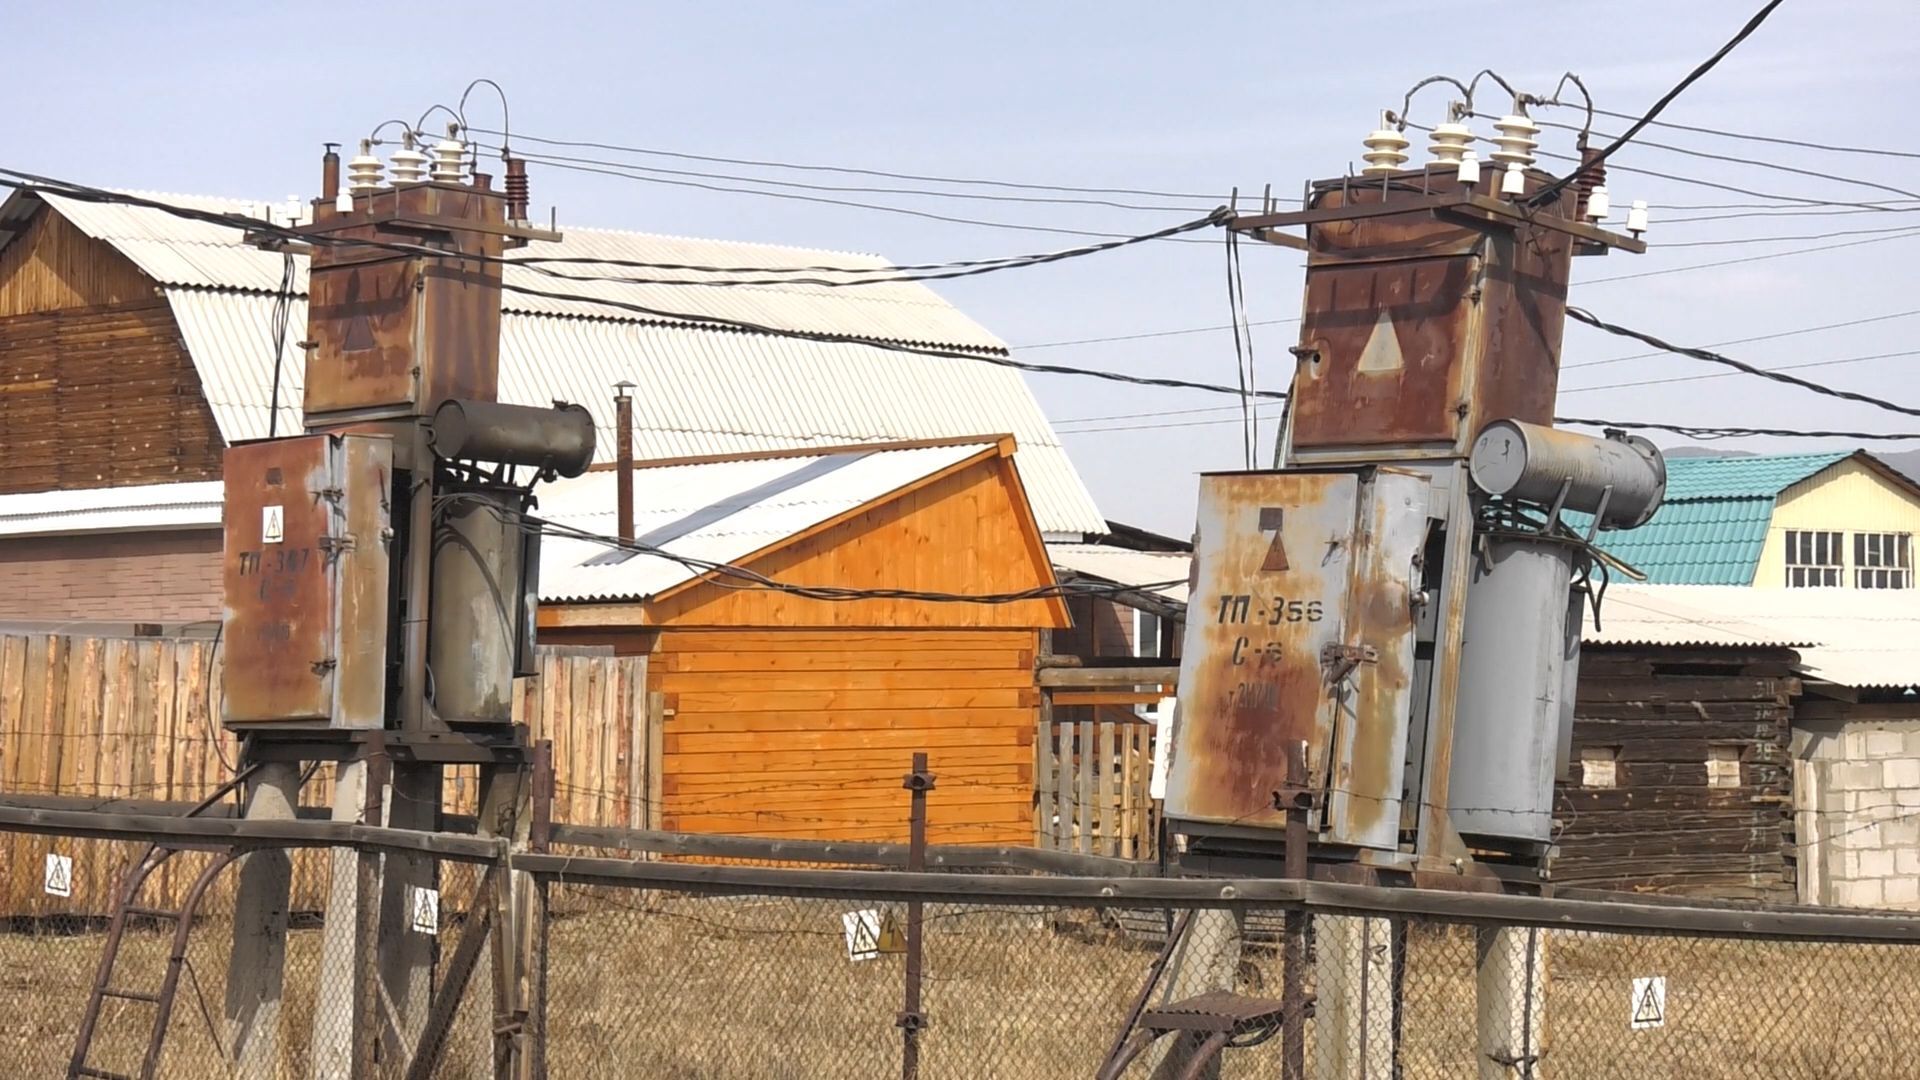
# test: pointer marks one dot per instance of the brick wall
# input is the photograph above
(162, 577)
(1859, 811)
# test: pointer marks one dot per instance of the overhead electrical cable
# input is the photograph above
(1757, 163)
(1552, 191)
(1582, 315)
(1803, 144)
(1774, 336)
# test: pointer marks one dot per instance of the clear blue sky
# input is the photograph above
(234, 99)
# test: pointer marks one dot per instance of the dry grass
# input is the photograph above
(681, 988)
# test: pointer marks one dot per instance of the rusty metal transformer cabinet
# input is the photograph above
(305, 623)
(1301, 626)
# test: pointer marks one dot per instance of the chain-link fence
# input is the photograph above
(676, 965)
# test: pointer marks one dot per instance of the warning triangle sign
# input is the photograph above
(1648, 1009)
(59, 879)
(1382, 353)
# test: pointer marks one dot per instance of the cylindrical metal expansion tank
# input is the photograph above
(560, 439)
(1517, 670)
(1532, 463)
(475, 625)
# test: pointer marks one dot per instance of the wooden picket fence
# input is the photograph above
(138, 718)
(1092, 785)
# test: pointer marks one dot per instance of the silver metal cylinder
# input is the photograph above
(1622, 478)
(1518, 665)
(560, 438)
(475, 627)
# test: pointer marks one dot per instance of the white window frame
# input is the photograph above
(1815, 559)
(1882, 560)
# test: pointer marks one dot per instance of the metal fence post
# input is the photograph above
(912, 1020)
(1297, 803)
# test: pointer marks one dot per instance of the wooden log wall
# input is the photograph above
(1661, 827)
(137, 718)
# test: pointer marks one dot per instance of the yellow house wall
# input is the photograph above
(1847, 498)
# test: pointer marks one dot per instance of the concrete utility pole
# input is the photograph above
(398, 512)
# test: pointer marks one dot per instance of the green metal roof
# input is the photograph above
(1711, 527)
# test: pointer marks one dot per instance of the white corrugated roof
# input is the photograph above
(1123, 566)
(1853, 637)
(147, 506)
(715, 511)
(698, 391)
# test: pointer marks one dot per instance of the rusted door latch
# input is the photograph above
(1340, 660)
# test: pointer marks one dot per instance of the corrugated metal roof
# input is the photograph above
(699, 391)
(715, 511)
(1735, 477)
(1696, 542)
(1713, 523)
(1854, 637)
(1123, 566)
(147, 506)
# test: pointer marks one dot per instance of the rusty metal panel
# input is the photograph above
(1383, 346)
(1300, 628)
(304, 628)
(1420, 328)
(397, 335)
(1376, 701)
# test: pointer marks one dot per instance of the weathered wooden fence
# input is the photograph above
(138, 718)
(1091, 778)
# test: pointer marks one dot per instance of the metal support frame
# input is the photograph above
(912, 1019)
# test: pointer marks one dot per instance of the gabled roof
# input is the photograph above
(1124, 566)
(699, 390)
(718, 511)
(1863, 638)
(1713, 523)
(195, 504)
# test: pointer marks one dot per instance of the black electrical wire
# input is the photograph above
(1144, 335)
(1708, 433)
(714, 322)
(1242, 369)
(1582, 315)
(1788, 239)
(1775, 140)
(1773, 336)
(1552, 191)
(282, 312)
(1751, 258)
(853, 171)
(1754, 162)
(859, 189)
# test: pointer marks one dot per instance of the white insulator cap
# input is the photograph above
(1386, 149)
(1598, 204)
(1637, 218)
(1515, 139)
(363, 172)
(1514, 180)
(1469, 173)
(1449, 142)
(409, 164)
(343, 202)
(294, 211)
(449, 160)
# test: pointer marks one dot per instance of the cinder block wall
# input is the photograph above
(1858, 803)
(161, 577)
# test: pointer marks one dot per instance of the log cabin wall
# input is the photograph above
(1681, 773)
(96, 387)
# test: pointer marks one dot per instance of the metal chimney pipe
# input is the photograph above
(623, 456)
(330, 172)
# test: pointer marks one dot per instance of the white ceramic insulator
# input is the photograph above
(1598, 204)
(1637, 217)
(343, 202)
(1469, 168)
(363, 172)
(1449, 142)
(1515, 139)
(1386, 151)
(1514, 180)
(449, 161)
(409, 165)
(295, 213)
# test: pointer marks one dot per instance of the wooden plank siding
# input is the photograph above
(1660, 827)
(96, 387)
(138, 718)
(808, 733)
